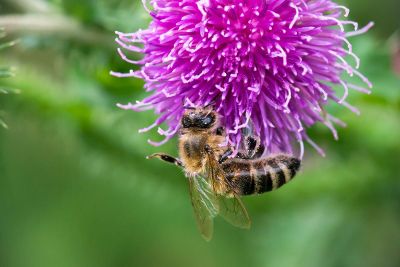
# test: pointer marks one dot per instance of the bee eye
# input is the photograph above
(207, 121)
(186, 122)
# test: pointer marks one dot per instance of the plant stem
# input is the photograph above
(31, 6)
(54, 25)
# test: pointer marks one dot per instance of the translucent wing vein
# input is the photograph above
(204, 206)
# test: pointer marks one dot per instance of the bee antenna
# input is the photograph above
(209, 104)
(188, 107)
(212, 102)
(187, 104)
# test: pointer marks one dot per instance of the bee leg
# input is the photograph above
(253, 148)
(167, 158)
(259, 152)
(208, 149)
(225, 156)
(251, 144)
(220, 131)
(242, 155)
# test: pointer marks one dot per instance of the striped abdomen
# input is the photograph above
(257, 176)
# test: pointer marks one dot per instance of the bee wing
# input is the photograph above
(231, 209)
(204, 205)
(234, 211)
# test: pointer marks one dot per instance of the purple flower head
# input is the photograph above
(267, 65)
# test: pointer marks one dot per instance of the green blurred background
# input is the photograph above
(75, 189)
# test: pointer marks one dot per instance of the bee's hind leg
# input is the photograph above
(167, 158)
(253, 148)
(259, 151)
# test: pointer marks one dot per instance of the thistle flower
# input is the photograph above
(267, 65)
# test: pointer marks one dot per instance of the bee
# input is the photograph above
(217, 180)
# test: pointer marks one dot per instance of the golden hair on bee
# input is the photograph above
(217, 180)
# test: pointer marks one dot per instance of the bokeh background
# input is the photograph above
(76, 191)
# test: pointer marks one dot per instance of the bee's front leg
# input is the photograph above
(167, 158)
(222, 158)
(225, 156)
(220, 131)
(208, 149)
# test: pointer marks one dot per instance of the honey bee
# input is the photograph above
(216, 180)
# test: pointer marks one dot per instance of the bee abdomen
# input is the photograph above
(273, 172)
(262, 175)
(238, 174)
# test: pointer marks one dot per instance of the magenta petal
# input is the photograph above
(268, 65)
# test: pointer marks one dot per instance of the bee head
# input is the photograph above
(200, 118)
